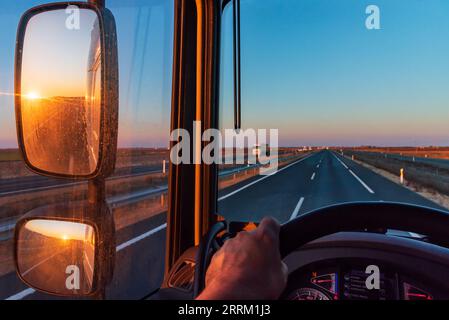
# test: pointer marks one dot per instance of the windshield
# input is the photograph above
(357, 94)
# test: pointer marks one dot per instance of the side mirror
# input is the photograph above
(65, 257)
(66, 89)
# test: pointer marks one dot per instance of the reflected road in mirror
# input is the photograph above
(57, 256)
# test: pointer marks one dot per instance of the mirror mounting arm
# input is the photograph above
(96, 197)
(96, 191)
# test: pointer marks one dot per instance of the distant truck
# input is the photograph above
(263, 149)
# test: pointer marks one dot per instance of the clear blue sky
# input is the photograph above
(310, 68)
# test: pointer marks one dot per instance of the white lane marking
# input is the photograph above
(297, 208)
(362, 183)
(313, 176)
(29, 291)
(355, 176)
(261, 179)
(42, 262)
(22, 294)
(318, 166)
(344, 165)
(141, 237)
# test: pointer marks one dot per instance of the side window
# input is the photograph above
(137, 191)
(139, 198)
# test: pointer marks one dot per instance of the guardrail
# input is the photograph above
(74, 184)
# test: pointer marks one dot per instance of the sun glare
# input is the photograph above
(65, 237)
(33, 96)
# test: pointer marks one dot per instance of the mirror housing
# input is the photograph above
(64, 250)
(53, 160)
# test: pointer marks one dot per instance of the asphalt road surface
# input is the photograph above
(320, 179)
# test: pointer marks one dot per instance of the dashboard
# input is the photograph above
(348, 281)
(362, 266)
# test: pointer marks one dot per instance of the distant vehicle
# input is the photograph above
(261, 150)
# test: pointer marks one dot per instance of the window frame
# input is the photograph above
(193, 188)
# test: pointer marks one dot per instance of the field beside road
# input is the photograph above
(420, 152)
(10, 155)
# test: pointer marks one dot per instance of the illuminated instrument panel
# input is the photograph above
(349, 282)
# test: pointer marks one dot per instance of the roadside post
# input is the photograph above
(402, 176)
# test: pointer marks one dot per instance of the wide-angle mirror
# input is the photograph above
(57, 257)
(66, 123)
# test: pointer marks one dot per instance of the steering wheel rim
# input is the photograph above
(203, 257)
(315, 224)
(352, 216)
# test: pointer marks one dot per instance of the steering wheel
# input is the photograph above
(352, 216)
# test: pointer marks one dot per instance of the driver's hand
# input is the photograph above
(248, 267)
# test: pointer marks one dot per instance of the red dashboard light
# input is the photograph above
(414, 293)
(327, 282)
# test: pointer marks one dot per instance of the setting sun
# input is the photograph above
(33, 96)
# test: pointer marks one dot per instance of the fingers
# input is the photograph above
(269, 229)
(270, 223)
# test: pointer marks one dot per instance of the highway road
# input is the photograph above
(320, 179)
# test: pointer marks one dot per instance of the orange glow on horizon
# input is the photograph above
(33, 96)
(59, 229)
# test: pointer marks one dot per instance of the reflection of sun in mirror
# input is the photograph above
(60, 229)
(33, 96)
